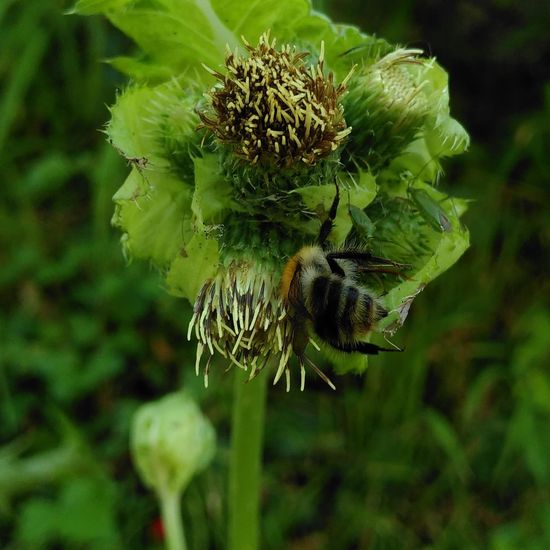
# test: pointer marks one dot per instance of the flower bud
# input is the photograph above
(170, 442)
(386, 106)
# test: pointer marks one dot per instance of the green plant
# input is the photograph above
(365, 468)
(280, 128)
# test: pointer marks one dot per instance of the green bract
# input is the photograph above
(171, 441)
(218, 206)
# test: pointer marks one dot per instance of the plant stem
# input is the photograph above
(246, 461)
(171, 518)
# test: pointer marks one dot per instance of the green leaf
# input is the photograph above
(38, 522)
(447, 137)
(478, 393)
(213, 193)
(445, 435)
(131, 130)
(48, 174)
(154, 210)
(527, 437)
(180, 36)
(141, 70)
(251, 19)
(92, 7)
(104, 364)
(416, 160)
(345, 45)
(156, 127)
(450, 248)
(403, 235)
(84, 513)
(190, 270)
(443, 134)
(435, 84)
(357, 189)
(89, 510)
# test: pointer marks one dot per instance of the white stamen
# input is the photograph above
(190, 327)
(200, 347)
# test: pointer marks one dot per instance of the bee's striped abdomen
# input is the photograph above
(325, 298)
(340, 310)
(351, 295)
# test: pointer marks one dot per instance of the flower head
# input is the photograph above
(239, 315)
(271, 108)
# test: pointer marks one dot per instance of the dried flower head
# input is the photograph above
(271, 108)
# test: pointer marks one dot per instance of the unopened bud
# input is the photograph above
(171, 441)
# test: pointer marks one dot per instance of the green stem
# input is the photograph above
(171, 519)
(245, 467)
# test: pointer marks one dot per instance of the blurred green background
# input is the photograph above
(444, 446)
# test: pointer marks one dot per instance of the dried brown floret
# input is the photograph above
(271, 108)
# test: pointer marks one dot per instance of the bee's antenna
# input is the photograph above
(328, 224)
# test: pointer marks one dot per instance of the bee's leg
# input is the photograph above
(372, 349)
(328, 224)
(335, 268)
(361, 347)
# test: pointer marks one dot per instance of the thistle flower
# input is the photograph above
(220, 210)
(271, 108)
(239, 315)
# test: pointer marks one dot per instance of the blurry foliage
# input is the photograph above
(444, 446)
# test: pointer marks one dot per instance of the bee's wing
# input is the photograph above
(370, 263)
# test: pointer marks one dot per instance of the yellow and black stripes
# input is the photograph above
(341, 311)
(321, 292)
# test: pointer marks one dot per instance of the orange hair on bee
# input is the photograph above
(306, 256)
(289, 272)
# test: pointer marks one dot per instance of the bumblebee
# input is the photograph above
(322, 293)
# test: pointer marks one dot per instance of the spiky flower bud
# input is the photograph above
(270, 108)
(387, 107)
(170, 442)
